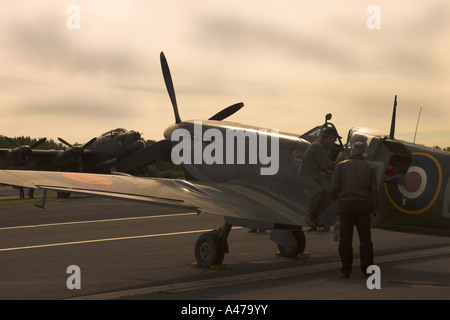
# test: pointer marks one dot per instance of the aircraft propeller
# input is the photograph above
(25, 151)
(162, 148)
(77, 151)
(225, 113)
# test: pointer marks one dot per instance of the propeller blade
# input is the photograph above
(12, 142)
(38, 143)
(144, 156)
(169, 86)
(225, 113)
(65, 142)
(89, 143)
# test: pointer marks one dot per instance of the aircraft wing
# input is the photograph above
(38, 159)
(40, 154)
(239, 202)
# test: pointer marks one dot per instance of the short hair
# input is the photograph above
(359, 148)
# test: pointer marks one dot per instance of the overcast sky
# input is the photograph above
(290, 62)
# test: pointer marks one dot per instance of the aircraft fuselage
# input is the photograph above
(222, 151)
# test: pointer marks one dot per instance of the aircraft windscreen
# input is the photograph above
(114, 132)
(313, 134)
(370, 138)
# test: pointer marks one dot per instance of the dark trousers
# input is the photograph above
(355, 213)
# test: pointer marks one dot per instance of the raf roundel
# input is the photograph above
(421, 187)
(415, 183)
(88, 178)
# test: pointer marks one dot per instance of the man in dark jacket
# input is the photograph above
(355, 180)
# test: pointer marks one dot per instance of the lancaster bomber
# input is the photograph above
(97, 155)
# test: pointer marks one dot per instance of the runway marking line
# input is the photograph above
(95, 221)
(106, 239)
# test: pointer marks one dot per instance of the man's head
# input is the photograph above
(328, 136)
(358, 149)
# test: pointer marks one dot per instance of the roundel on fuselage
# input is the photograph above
(421, 187)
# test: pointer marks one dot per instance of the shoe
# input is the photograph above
(310, 221)
(344, 276)
(317, 221)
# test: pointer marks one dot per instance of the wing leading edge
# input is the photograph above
(239, 202)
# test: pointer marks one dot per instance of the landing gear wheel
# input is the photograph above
(293, 251)
(209, 249)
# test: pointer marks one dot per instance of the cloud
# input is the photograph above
(69, 107)
(42, 41)
(235, 36)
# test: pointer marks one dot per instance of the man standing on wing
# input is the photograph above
(316, 162)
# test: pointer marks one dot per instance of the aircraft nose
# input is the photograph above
(169, 130)
(139, 144)
(138, 135)
(132, 136)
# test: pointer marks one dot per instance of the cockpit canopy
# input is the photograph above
(370, 137)
(379, 147)
(114, 132)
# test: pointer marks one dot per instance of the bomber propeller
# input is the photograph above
(162, 148)
(77, 151)
(24, 152)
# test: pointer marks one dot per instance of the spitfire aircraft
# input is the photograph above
(225, 162)
(98, 155)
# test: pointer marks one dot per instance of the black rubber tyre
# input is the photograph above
(293, 251)
(208, 249)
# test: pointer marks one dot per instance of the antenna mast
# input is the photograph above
(417, 125)
(394, 112)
